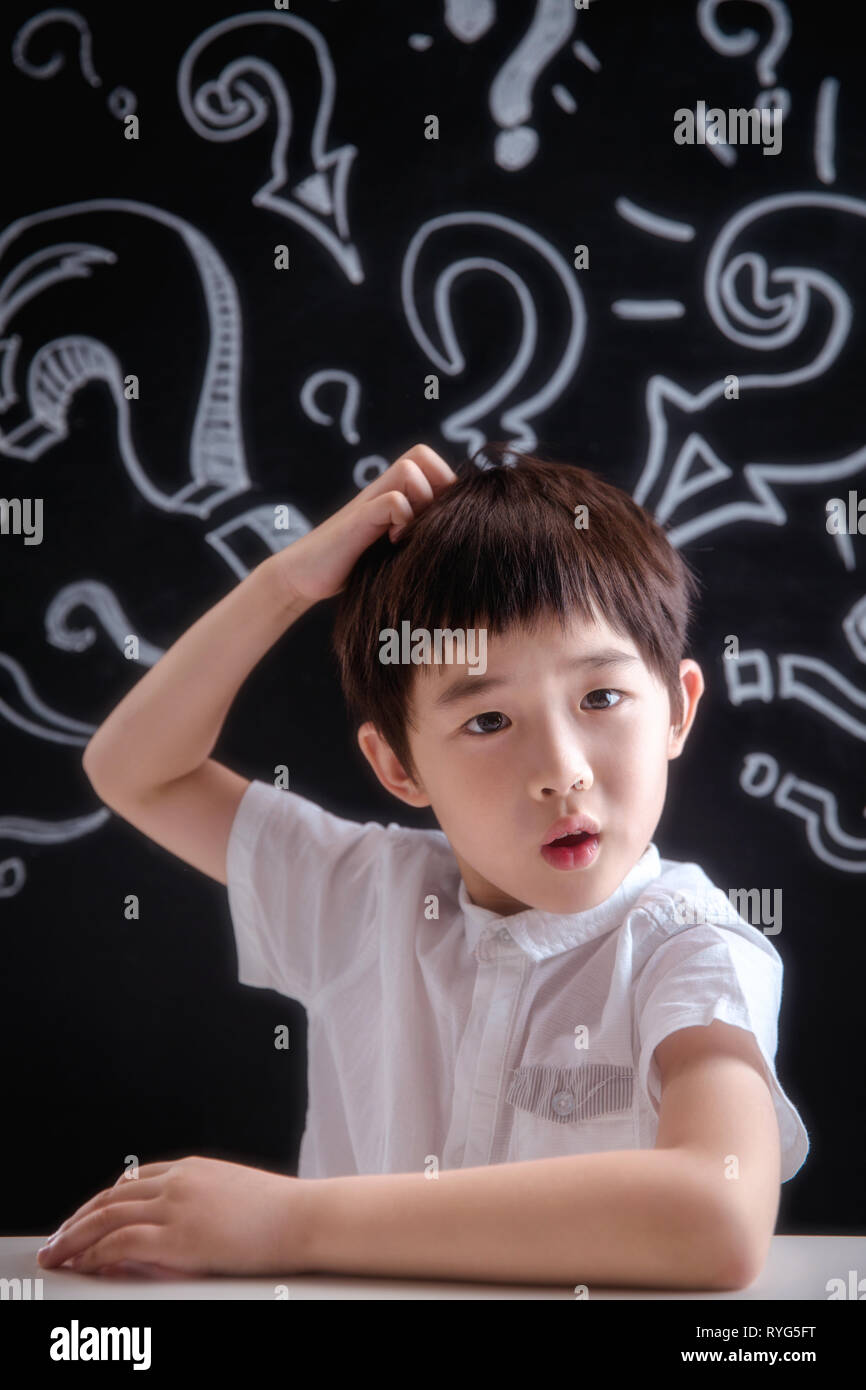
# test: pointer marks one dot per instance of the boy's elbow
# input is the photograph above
(749, 1259)
(726, 1251)
(735, 1269)
(713, 1266)
(93, 761)
(740, 1254)
(88, 762)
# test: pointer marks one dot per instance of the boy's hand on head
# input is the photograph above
(190, 1216)
(317, 565)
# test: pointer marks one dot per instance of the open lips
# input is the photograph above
(571, 830)
(572, 843)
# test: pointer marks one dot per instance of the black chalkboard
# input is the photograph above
(432, 171)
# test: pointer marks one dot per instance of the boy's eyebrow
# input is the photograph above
(464, 686)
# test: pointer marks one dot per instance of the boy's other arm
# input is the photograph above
(716, 1104)
(674, 1216)
(150, 759)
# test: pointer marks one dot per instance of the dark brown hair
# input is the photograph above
(498, 548)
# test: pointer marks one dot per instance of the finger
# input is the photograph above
(144, 1187)
(91, 1228)
(391, 509)
(144, 1244)
(431, 464)
(416, 484)
(147, 1170)
(418, 491)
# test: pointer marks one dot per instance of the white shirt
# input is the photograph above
(473, 1038)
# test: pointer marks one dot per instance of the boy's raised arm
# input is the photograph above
(170, 721)
(150, 759)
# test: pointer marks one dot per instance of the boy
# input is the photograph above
(530, 1061)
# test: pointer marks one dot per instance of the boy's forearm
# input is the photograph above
(640, 1218)
(168, 724)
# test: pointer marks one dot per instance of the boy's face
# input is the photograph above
(499, 782)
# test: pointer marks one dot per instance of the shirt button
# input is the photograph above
(504, 934)
(563, 1102)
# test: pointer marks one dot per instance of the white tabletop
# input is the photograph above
(798, 1267)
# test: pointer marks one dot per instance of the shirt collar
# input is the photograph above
(543, 934)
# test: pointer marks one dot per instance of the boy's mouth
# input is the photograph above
(571, 842)
(573, 851)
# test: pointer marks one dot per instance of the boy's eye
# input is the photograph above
(490, 714)
(496, 714)
(606, 691)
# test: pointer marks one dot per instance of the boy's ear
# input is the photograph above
(387, 767)
(692, 682)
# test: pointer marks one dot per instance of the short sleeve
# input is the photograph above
(303, 889)
(707, 972)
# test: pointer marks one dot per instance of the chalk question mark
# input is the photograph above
(371, 465)
(511, 90)
(734, 45)
(121, 101)
(509, 404)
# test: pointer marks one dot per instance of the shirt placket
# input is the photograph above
(481, 1059)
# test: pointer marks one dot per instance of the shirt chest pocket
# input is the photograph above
(585, 1108)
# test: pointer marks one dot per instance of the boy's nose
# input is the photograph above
(559, 764)
(563, 787)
